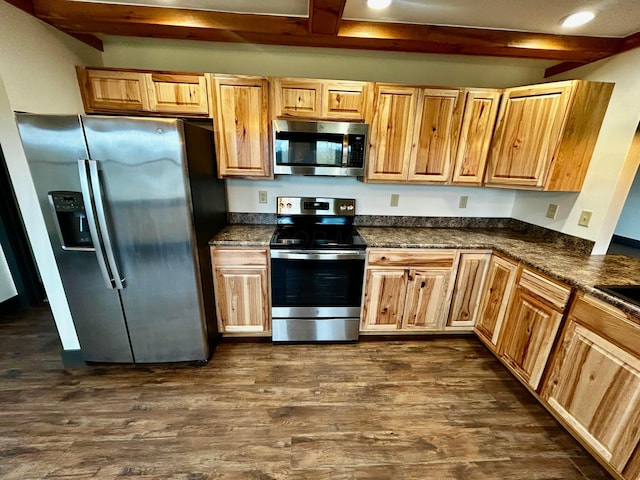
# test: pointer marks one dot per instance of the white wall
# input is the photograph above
(629, 222)
(349, 65)
(611, 172)
(37, 74)
(7, 287)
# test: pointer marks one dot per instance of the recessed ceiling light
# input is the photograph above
(578, 18)
(378, 4)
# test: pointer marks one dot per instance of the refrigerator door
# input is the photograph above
(53, 145)
(144, 184)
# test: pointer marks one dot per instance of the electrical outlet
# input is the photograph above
(463, 201)
(585, 218)
(395, 198)
(552, 210)
(262, 196)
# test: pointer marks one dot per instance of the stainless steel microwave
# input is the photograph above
(319, 148)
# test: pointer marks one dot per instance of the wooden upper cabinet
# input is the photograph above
(241, 285)
(124, 91)
(241, 124)
(435, 133)
(494, 299)
(320, 99)
(531, 325)
(545, 135)
(472, 269)
(172, 93)
(390, 132)
(478, 121)
(112, 90)
(594, 381)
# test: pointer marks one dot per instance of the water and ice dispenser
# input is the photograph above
(71, 220)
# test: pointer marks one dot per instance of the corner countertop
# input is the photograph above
(556, 260)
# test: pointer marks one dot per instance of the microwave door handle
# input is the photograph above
(91, 221)
(345, 151)
(104, 226)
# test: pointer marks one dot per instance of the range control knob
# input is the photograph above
(288, 205)
(343, 207)
(350, 207)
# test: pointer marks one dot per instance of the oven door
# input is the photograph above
(316, 295)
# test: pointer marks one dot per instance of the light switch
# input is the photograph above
(463, 201)
(262, 196)
(395, 198)
(552, 210)
(585, 218)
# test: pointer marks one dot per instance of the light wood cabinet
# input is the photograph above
(476, 131)
(472, 269)
(407, 289)
(594, 381)
(496, 291)
(241, 125)
(241, 284)
(133, 91)
(320, 99)
(545, 135)
(531, 325)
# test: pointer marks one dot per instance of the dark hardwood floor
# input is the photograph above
(438, 409)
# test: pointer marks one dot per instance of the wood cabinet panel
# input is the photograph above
(435, 132)
(499, 283)
(472, 269)
(390, 132)
(427, 301)
(478, 120)
(527, 336)
(594, 380)
(241, 122)
(552, 292)
(109, 90)
(384, 299)
(346, 100)
(241, 283)
(632, 469)
(411, 257)
(173, 93)
(297, 97)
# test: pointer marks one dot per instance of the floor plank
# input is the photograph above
(438, 409)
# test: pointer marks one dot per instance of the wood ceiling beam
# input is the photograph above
(325, 16)
(89, 18)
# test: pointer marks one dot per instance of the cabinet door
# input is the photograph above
(172, 93)
(345, 100)
(428, 297)
(241, 125)
(384, 298)
(435, 133)
(297, 97)
(107, 90)
(241, 296)
(528, 334)
(594, 381)
(529, 125)
(501, 278)
(472, 269)
(390, 133)
(478, 120)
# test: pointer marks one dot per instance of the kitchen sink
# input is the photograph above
(628, 293)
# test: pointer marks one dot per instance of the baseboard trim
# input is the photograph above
(10, 305)
(629, 242)
(72, 358)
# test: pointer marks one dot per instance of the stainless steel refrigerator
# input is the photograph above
(130, 204)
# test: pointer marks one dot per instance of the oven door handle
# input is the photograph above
(319, 254)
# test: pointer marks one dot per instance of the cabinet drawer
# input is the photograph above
(238, 257)
(555, 293)
(409, 257)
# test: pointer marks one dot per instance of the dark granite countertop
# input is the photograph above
(553, 258)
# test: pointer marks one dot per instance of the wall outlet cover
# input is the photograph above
(552, 211)
(585, 218)
(463, 201)
(262, 196)
(395, 198)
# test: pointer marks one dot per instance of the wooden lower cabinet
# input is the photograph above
(241, 283)
(494, 298)
(531, 325)
(407, 290)
(594, 382)
(472, 269)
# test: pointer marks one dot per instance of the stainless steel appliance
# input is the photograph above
(317, 268)
(319, 148)
(129, 205)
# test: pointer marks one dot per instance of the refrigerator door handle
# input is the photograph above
(91, 221)
(104, 226)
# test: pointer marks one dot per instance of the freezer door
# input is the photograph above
(53, 145)
(146, 197)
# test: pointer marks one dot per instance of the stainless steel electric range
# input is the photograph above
(317, 268)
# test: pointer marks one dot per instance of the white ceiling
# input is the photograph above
(616, 18)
